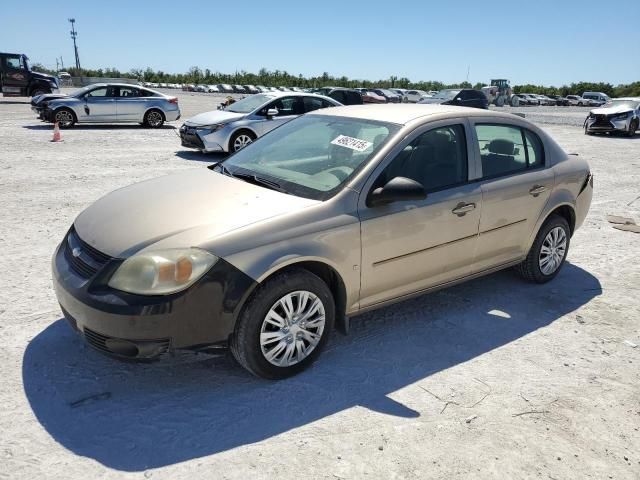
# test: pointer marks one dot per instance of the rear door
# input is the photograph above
(516, 185)
(15, 76)
(130, 104)
(100, 105)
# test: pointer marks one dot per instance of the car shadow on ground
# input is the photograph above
(197, 156)
(99, 126)
(133, 417)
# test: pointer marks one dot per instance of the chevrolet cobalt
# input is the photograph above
(335, 213)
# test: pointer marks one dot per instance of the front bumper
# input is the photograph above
(139, 326)
(604, 123)
(192, 137)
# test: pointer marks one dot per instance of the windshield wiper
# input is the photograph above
(263, 182)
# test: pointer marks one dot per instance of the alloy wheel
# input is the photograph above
(154, 118)
(64, 118)
(241, 141)
(292, 328)
(552, 251)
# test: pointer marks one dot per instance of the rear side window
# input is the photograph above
(312, 103)
(506, 149)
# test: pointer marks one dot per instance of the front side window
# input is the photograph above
(98, 92)
(506, 149)
(314, 155)
(286, 106)
(436, 159)
(14, 62)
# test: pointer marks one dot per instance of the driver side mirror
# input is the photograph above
(272, 112)
(397, 189)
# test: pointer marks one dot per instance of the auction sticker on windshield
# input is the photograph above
(352, 143)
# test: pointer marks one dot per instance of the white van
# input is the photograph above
(597, 98)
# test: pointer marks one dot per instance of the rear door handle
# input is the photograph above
(537, 190)
(463, 208)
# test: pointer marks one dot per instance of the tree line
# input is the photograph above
(276, 78)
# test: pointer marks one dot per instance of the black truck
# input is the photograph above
(18, 80)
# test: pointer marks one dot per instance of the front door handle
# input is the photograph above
(537, 190)
(463, 208)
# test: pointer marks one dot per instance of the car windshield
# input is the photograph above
(248, 104)
(630, 104)
(446, 94)
(312, 156)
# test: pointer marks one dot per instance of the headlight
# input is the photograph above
(207, 129)
(162, 272)
(620, 116)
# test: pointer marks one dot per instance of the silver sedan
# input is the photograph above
(242, 122)
(113, 103)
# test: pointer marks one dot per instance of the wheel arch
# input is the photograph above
(154, 107)
(65, 107)
(322, 269)
(239, 129)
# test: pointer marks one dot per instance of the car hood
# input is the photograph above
(44, 76)
(194, 206)
(47, 97)
(611, 110)
(211, 118)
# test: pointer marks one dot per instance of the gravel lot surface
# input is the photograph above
(495, 378)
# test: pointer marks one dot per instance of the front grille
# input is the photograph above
(145, 348)
(602, 121)
(82, 257)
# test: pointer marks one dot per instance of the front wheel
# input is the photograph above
(64, 117)
(240, 140)
(633, 126)
(154, 119)
(548, 252)
(284, 325)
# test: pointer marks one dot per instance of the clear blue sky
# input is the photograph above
(541, 42)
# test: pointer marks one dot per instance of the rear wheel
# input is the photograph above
(284, 325)
(154, 119)
(64, 117)
(548, 252)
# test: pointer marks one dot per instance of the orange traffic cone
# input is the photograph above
(56, 133)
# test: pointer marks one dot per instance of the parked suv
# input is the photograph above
(596, 99)
(18, 80)
(345, 96)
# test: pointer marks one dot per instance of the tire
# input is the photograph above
(633, 126)
(253, 325)
(241, 139)
(154, 118)
(64, 117)
(533, 268)
(580, 104)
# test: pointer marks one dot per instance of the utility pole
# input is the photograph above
(74, 34)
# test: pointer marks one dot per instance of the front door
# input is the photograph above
(515, 188)
(413, 245)
(288, 108)
(15, 76)
(100, 105)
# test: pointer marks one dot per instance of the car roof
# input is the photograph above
(403, 113)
